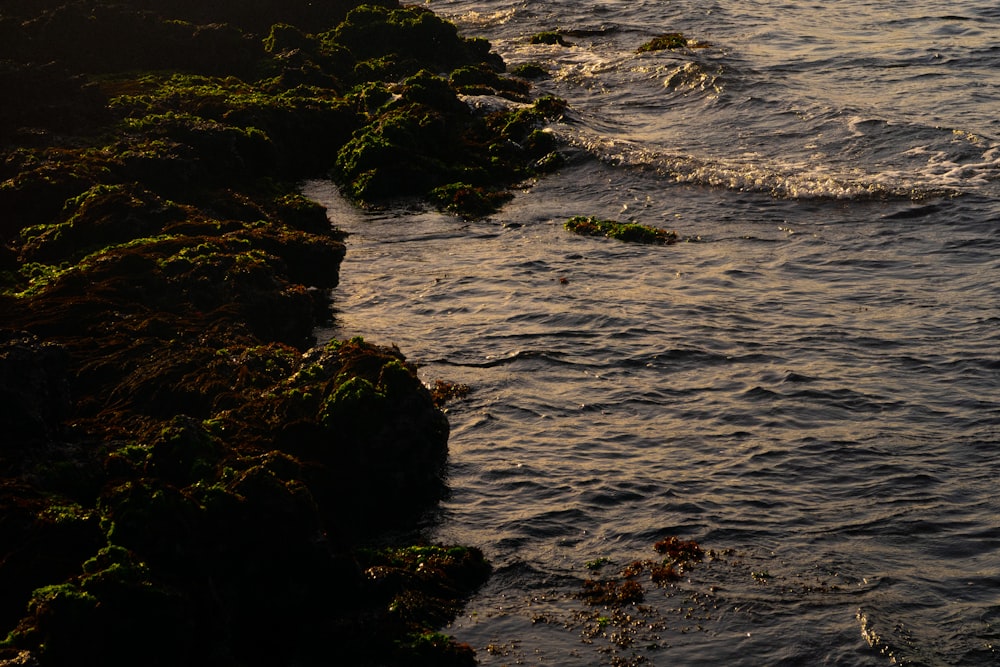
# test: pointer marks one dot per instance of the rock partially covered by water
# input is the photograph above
(622, 231)
(417, 137)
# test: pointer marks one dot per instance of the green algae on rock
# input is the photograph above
(530, 70)
(469, 200)
(672, 40)
(425, 139)
(622, 231)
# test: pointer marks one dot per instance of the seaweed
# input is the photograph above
(668, 41)
(622, 231)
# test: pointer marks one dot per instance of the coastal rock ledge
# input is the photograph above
(185, 478)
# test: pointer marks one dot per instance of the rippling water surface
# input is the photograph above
(808, 387)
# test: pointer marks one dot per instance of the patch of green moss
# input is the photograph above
(106, 558)
(672, 40)
(417, 555)
(70, 595)
(36, 277)
(597, 563)
(369, 96)
(469, 200)
(102, 216)
(127, 459)
(284, 38)
(356, 405)
(184, 452)
(412, 38)
(529, 71)
(622, 231)
(483, 80)
(67, 513)
(238, 128)
(519, 123)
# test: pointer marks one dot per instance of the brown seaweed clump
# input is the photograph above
(678, 556)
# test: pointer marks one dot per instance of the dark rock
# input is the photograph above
(42, 540)
(34, 392)
(549, 37)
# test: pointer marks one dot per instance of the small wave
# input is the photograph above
(693, 76)
(878, 641)
(754, 173)
(479, 20)
(915, 212)
(520, 355)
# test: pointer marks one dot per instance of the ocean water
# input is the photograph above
(808, 386)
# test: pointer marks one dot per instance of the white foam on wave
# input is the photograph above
(944, 170)
(478, 20)
(752, 172)
(692, 76)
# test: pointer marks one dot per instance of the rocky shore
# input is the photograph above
(184, 478)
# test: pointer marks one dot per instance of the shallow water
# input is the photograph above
(807, 387)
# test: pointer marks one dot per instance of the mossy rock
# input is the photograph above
(668, 41)
(411, 147)
(39, 181)
(530, 70)
(284, 38)
(427, 143)
(103, 216)
(237, 130)
(551, 37)
(469, 200)
(408, 35)
(482, 80)
(622, 231)
(43, 539)
(423, 586)
(184, 452)
(92, 619)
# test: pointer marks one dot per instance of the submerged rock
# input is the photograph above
(667, 41)
(622, 231)
(551, 37)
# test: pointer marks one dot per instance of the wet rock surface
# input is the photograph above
(184, 479)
